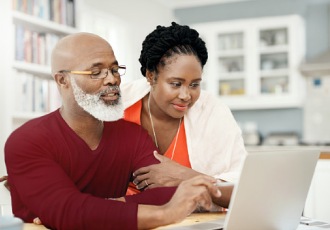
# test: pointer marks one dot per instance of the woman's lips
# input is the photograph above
(181, 108)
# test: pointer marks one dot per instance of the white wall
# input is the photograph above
(127, 23)
(5, 95)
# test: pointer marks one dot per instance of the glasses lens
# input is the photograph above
(97, 73)
(116, 71)
(121, 70)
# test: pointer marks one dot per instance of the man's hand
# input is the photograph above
(166, 173)
(190, 194)
(5, 179)
(193, 194)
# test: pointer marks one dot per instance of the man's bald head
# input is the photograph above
(70, 50)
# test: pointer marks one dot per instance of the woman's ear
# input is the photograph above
(150, 77)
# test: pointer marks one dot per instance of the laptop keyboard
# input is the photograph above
(315, 223)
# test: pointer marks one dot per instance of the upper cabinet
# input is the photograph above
(253, 63)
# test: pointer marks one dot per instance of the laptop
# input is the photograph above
(270, 193)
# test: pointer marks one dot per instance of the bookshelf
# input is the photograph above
(31, 29)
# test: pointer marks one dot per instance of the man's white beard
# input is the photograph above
(94, 105)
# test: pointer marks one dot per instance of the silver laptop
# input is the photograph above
(270, 193)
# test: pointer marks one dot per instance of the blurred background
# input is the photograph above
(257, 50)
(269, 61)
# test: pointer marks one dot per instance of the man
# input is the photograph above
(71, 168)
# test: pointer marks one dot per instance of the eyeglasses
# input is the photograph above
(97, 73)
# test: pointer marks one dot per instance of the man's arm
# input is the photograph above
(193, 193)
(40, 187)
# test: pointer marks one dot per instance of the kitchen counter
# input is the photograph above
(325, 150)
(325, 155)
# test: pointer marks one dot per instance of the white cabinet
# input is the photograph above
(30, 30)
(253, 63)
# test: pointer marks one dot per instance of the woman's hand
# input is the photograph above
(166, 173)
(5, 179)
(37, 221)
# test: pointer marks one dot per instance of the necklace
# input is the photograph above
(154, 133)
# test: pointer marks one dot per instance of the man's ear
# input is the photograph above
(60, 79)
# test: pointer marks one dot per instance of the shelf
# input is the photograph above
(273, 101)
(35, 69)
(230, 53)
(274, 49)
(41, 25)
(232, 76)
(274, 73)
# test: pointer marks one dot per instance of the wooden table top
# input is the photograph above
(197, 218)
(191, 219)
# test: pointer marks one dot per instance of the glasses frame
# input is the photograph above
(90, 73)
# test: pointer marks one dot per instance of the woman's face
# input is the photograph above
(177, 85)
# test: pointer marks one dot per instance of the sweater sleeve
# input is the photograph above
(40, 187)
(155, 196)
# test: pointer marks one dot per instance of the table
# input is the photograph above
(191, 219)
(28, 226)
(197, 218)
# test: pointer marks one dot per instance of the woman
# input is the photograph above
(193, 129)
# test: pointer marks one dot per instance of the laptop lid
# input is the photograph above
(272, 190)
(270, 193)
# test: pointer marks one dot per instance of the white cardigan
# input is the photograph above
(214, 140)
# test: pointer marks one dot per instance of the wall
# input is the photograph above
(5, 104)
(135, 19)
(315, 12)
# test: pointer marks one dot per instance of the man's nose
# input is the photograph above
(111, 79)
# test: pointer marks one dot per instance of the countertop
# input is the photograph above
(324, 150)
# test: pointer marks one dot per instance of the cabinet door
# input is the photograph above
(231, 63)
(274, 60)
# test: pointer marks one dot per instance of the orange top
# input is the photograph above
(180, 155)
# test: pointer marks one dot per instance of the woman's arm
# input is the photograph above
(166, 173)
(170, 173)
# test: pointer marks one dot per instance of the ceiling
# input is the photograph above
(174, 4)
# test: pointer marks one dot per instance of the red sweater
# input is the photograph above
(54, 175)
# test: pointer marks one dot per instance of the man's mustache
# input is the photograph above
(110, 89)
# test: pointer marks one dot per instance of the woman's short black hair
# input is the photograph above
(164, 42)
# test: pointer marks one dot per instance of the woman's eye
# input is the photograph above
(195, 85)
(176, 84)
